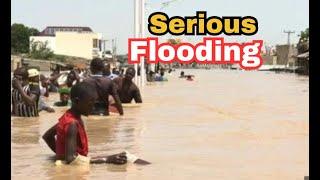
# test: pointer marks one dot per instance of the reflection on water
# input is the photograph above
(223, 125)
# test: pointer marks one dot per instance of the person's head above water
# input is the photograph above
(21, 73)
(96, 66)
(33, 75)
(151, 73)
(71, 77)
(64, 95)
(130, 73)
(182, 73)
(83, 97)
(106, 70)
(114, 70)
(189, 77)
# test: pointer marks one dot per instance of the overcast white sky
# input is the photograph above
(114, 18)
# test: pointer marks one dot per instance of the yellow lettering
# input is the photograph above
(201, 26)
(190, 25)
(176, 25)
(158, 24)
(235, 26)
(210, 28)
(248, 26)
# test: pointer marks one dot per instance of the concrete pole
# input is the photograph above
(139, 36)
(139, 11)
(289, 48)
(142, 13)
(136, 33)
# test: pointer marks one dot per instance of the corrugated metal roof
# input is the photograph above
(50, 30)
(304, 55)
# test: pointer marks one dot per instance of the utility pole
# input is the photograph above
(139, 32)
(114, 49)
(139, 16)
(139, 12)
(289, 46)
(289, 33)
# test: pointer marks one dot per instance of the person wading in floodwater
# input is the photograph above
(64, 97)
(104, 87)
(182, 74)
(25, 92)
(127, 89)
(71, 142)
(44, 92)
(189, 78)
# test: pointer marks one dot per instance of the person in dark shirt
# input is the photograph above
(104, 87)
(127, 89)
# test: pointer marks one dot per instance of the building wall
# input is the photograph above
(43, 65)
(75, 44)
(49, 39)
(282, 54)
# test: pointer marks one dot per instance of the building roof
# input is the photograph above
(50, 30)
(304, 55)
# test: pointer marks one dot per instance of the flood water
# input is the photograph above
(224, 125)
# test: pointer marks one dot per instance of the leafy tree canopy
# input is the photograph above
(20, 38)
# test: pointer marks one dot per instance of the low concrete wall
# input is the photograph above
(44, 65)
(16, 61)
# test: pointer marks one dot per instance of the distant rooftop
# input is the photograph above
(51, 30)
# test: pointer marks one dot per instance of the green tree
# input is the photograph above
(40, 50)
(20, 38)
(174, 41)
(303, 44)
(304, 35)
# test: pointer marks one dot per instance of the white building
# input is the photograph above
(71, 41)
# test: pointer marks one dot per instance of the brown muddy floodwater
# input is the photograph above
(224, 125)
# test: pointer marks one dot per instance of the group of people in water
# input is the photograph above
(87, 94)
(95, 92)
(188, 77)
